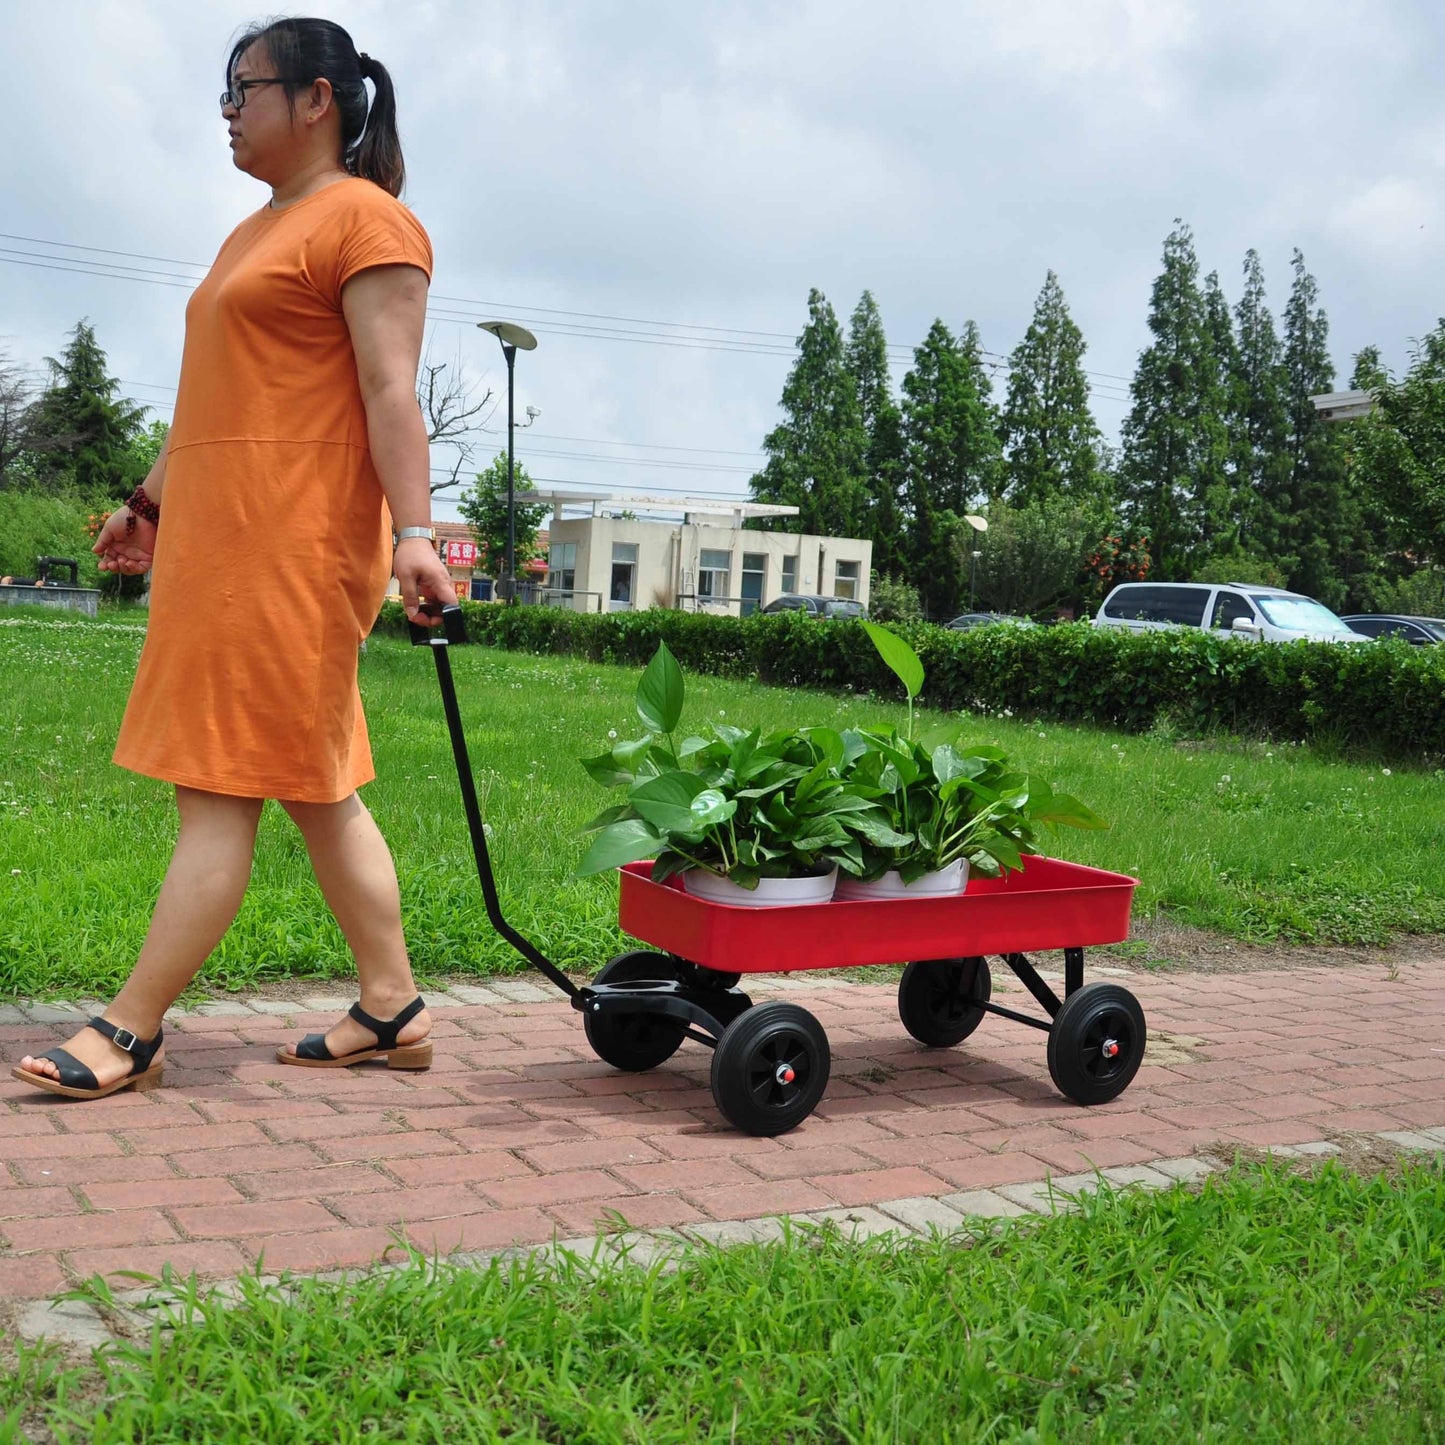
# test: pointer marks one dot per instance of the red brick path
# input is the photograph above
(519, 1134)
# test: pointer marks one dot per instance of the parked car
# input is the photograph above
(816, 606)
(1265, 614)
(1422, 631)
(971, 620)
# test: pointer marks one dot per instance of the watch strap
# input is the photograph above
(406, 533)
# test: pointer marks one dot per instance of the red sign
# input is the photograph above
(461, 554)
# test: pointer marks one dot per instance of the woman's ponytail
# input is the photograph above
(378, 155)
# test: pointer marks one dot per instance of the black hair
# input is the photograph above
(307, 50)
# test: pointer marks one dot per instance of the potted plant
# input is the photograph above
(746, 817)
(956, 809)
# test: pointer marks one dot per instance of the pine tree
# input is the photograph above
(1263, 465)
(1049, 433)
(1216, 499)
(953, 457)
(80, 428)
(1174, 438)
(1323, 528)
(817, 453)
(866, 358)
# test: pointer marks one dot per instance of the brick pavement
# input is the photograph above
(519, 1134)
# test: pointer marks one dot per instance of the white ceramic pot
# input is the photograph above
(953, 879)
(770, 892)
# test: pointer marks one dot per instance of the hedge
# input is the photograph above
(1385, 698)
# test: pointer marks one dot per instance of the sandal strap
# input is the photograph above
(142, 1051)
(313, 1046)
(73, 1074)
(386, 1030)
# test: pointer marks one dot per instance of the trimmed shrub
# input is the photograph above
(1385, 698)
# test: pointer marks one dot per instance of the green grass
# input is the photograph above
(1255, 842)
(1267, 1308)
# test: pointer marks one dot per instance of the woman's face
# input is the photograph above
(265, 130)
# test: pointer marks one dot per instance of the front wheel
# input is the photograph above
(939, 999)
(770, 1068)
(1096, 1043)
(635, 1042)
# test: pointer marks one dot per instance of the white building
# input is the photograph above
(616, 559)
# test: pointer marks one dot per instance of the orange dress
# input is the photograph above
(274, 548)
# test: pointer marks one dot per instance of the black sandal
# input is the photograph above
(76, 1081)
(312, 1053)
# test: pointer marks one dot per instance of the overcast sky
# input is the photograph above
(702, 165)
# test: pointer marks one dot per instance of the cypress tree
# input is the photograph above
(1263, 456)
(817, 453)
(79, 429)
(1047, 429)
(866, 357)
(1217, 500)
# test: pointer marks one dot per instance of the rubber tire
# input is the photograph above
(933, 1005)
(747, 1056)
(636, 1042)
(1089, 1016)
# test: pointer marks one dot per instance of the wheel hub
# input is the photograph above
(1110, 1048)
(784, 1074)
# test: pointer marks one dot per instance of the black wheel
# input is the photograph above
(770, 1068)
(938, 999)
(1097, 1043)
(635, 1042)
(701, 977)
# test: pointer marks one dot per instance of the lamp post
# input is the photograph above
(512, 337)
(979, 524)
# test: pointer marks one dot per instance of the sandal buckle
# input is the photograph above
(124, 1039)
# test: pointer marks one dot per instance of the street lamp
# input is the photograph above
(979, 524)
(511, 336)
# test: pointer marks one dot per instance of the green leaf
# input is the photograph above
(604, 770)
(665, 802)
(1061, 808)
(659, 693)
(607, 817)
(900, 657)
(710, 808)
(623, 842)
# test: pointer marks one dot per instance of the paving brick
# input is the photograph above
(84, 1170)
(1189, 1171)
(494, 1229)
(238, 1221)
(1138, 1174)
(640, 1211)
(1403, 1138)
(14, 1126)
(339, 1248)
(859, 1222)
(589, 1154)
(692, 1174)
(381, 1148)
(31, 1278)
(316, 1181)
(983, 1203)
(88, 1231)
(193, 1136)
(323, 1127)
(163, 1191)
(59, 1146)
(922, 1214)
(469, 1168)
(198, 1162)
(552, 1188)
(988, 1171)
(397, 1206)
(777, 1196)
(35, 1203)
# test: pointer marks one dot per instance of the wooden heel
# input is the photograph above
(410, 1056)
(151, 1079)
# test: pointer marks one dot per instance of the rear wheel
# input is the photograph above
(939, 998)
(1096, 1043)
(770, 1068)
(635, 1042)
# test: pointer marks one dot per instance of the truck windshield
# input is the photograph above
(1299, 614)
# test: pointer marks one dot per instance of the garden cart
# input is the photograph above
(770, 1061)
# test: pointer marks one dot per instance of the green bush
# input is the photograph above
(1386, 698)
(45, 524)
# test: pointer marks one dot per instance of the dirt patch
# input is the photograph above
(1359, 1153)
(1160, 943)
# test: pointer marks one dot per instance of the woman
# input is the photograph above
(297, 446)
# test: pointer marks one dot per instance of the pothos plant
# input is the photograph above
(742, 804)
(943, 802)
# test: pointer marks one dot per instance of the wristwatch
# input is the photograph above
(407, 533)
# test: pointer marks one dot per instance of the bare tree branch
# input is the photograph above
(453, 413)
(16, 394)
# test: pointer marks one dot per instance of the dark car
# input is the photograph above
(817, 606)
(1422, 631)
(982, 619)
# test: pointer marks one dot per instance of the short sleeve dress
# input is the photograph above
(274, 547)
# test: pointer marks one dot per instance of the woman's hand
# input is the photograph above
(123, 548)
(422, 574)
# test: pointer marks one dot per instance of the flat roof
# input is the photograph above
(649, 502)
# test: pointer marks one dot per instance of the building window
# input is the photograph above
(790, 574)
(714, 573)
(845, 580)
(562, 567)
(623, 584)
(755, 565)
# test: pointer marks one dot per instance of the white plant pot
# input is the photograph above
(953, 879)
(770, 892)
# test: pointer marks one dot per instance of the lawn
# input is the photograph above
(1266, 1307)
(1258, 843)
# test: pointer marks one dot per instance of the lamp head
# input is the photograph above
(510, 334)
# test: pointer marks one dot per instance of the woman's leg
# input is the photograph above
(203, 888)
(358, 879)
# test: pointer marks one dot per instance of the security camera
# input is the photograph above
(533, 412)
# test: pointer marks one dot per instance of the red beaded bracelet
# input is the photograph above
(141, 506)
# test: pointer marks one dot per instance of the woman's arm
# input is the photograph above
(385, 309)
(127, 544)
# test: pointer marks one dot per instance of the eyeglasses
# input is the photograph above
(235, 96)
